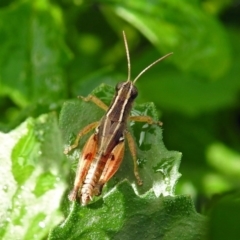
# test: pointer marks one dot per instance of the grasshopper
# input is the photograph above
(103, 152)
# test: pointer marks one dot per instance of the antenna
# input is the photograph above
(145, 69)
(128, 56)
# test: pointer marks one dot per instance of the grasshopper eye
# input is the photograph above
(134, 92)
(119, 86)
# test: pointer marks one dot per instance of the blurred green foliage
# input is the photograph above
(51, 51)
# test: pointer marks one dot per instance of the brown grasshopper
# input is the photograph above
(103, 152)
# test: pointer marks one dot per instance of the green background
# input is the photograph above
(54, 51)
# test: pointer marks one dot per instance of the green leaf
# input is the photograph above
(32, 174)
(198, 41)
(124, 215)
(189, 93)
(224, 159)
(32, 52)
(121, 213)
(224, 216)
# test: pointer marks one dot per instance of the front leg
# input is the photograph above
(146, 119)
(95, 100)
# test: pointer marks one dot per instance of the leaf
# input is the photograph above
(198, 41)
(124, 215)
(158, 166)
(190, 94)
(32, 174)
(32, 53)
(121, 214)
(224, 216)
